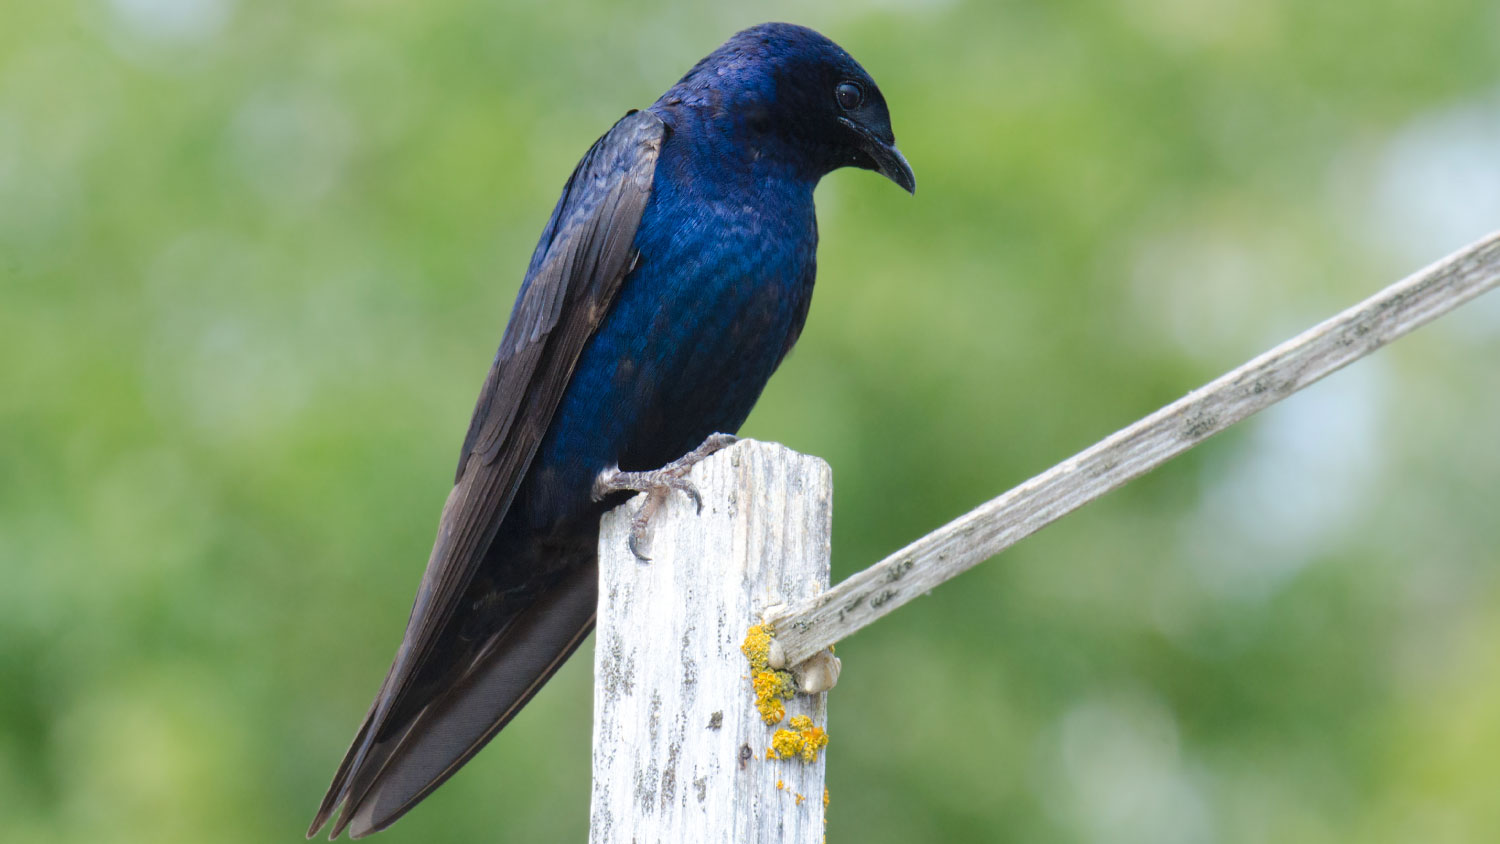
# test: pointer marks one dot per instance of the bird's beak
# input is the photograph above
(889, 162)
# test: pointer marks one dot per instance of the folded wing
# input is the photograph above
(584, 254)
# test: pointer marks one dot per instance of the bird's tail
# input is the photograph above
(397, 771)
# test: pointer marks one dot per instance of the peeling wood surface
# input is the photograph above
(679, 749)
(808, 626)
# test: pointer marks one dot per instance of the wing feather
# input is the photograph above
(584, 255)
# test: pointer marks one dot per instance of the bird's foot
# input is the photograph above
(658, 484)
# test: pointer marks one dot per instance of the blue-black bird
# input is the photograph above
(674, 275)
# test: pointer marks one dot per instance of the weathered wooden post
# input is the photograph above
(680, 749)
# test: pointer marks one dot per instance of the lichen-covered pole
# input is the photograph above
(681, 749)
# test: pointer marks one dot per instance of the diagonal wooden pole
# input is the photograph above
(806, 627)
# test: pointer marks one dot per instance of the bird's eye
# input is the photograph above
(849, 95)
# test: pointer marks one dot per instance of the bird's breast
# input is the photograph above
(718, 295)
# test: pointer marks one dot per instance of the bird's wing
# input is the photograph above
(584, 254)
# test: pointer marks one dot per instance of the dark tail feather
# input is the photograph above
(339, 787)
(396, 773)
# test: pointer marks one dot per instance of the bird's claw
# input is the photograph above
(640, 539)
(682, 486)
(658, 484)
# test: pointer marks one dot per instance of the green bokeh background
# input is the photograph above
(255, 257)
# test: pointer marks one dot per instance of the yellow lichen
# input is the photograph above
(800, 798)
(771, 690)
(772, 687)
(780, 785)
(825, 798)
(804, 740)
(757, 647)
(786, 744)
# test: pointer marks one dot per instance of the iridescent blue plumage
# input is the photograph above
(673, 277)
(696, 330)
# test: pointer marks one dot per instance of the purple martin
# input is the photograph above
(673, 276)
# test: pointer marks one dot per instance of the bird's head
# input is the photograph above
(783, 89)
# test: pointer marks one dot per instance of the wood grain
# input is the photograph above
(679, 748)
(810, 625)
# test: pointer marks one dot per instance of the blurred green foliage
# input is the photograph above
(254, 259)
